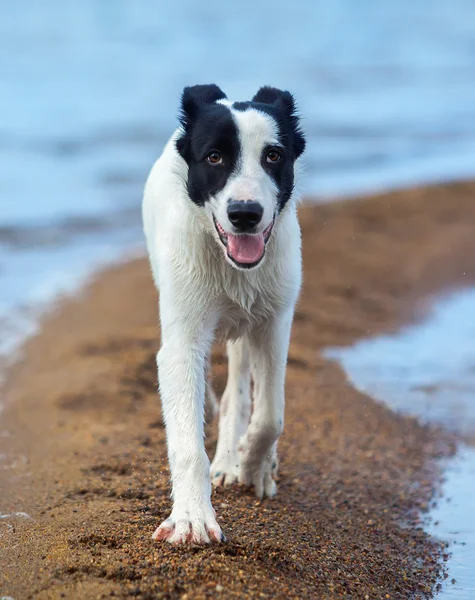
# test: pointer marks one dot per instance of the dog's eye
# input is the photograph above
(214, 158)
(273, 156)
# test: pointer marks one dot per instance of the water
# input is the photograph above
(32, 278)
(88, 96)
(428, 370)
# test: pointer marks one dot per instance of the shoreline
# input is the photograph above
(86, 458)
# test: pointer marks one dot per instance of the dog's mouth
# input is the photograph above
(244, 249)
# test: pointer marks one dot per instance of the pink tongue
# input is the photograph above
(245, 249)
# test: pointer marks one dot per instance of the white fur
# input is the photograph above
(203, 296)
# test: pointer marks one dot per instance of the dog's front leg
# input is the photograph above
(269, 348)
(181, 372)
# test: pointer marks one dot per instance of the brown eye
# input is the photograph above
(214, 158)
(273, 156)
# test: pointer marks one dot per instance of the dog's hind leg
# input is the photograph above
(258, 448)
(235, 410)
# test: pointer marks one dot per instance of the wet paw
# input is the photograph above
(224, 472)
(257, 470)
(189, 529)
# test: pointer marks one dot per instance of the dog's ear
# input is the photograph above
(195, 97)
(271, 95)
(192, 99)
(285, 103)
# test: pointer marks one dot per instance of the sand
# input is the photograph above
(85, 453)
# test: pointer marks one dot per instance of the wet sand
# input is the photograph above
(85, 453)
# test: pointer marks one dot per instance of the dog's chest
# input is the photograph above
(246, 302)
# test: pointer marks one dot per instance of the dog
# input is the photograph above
(220, 221)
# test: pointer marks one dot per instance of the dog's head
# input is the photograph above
(240, 158)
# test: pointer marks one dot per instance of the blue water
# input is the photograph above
(89, 90)
(428, 370)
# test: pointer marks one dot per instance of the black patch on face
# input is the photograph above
(207, 127)
(280, 106)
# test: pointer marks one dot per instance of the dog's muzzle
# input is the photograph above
(244, 249)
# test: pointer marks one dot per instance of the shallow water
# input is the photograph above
(88, 96)
(428, 370)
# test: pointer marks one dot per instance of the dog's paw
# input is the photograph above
(257, 470)
(189, 529)
(225, 471)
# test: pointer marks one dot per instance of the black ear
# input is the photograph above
(192, 99)
(196, 96)
(285, 103)
(271, 95)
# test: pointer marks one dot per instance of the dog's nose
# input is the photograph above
(245, 215)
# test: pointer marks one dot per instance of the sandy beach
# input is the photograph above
(83, 469)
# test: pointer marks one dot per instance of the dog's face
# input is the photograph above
(240, 160)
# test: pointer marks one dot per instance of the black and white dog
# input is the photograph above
(224, 243)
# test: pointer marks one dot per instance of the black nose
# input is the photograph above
(244, 215)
